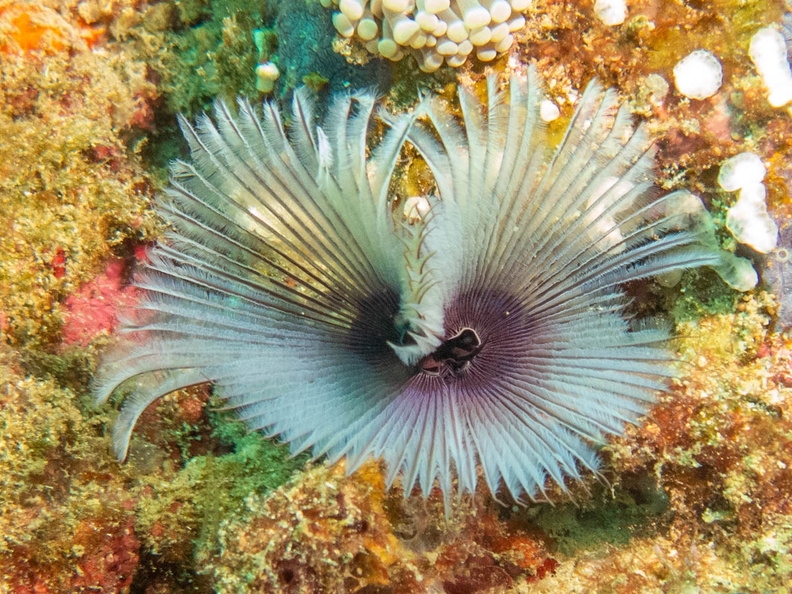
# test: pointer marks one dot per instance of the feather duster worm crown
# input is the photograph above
(488, 334)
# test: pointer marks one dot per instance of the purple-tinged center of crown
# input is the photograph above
(486, 334)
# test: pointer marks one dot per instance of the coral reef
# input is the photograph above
(198, 50)
(67, 520)
(693, 499)
(569, 46)
(77, 115)
(74, 519)
(700, 498)
(719, 445)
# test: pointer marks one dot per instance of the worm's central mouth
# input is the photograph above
(453, 356)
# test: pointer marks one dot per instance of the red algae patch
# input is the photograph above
(93, 308)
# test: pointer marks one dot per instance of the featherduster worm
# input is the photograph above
(489, 333)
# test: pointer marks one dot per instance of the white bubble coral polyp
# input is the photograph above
(434, 31)
(769, 54)
(698, 75)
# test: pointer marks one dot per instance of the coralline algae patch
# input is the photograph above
(92, 310)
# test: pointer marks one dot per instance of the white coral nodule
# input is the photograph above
(434, 31)
(488, 333)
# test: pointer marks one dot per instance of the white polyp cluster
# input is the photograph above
(611, 12)
(749, 222)
(769, 54)
(266, 75)
(698, 75)
(434, 31)
(748, 219)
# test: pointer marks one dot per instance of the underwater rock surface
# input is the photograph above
(697, 491)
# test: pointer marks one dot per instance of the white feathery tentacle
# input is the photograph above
(487, 333)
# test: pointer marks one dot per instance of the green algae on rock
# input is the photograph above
(71, 191)
(67, 520)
